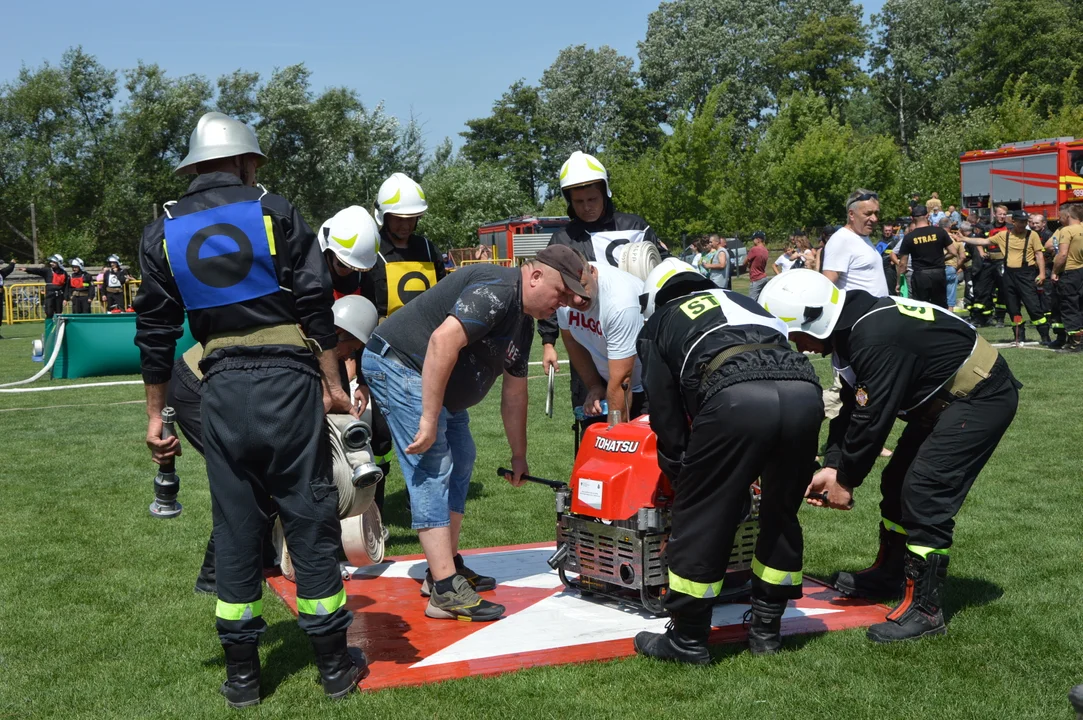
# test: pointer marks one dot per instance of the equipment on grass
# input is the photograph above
(549, 394)
(613, 521)
(166, 482)
(355, 476)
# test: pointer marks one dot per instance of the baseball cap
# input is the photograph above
(570, 264)
(1020, 215)
(919, 211)
(759, 234)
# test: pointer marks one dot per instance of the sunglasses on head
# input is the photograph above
(865, 196)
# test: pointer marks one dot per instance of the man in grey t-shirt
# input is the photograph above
(431, 361)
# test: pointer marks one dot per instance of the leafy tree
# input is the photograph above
(1038, 37)
(462, 197)
(824, 55)
(510, 137)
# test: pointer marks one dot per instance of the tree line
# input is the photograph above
(739, 115)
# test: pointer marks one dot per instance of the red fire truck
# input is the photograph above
(520, 237)
(1036, 176)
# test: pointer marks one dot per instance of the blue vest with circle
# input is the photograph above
(222, 255)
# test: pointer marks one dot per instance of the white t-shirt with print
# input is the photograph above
(856, 261)
(609, 329)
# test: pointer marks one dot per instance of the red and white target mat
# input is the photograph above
(544, 623)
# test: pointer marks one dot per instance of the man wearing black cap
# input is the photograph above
(434, 359)
(1024, 273)
(927, 245)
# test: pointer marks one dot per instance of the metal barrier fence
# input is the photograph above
(24, 302)
(503, 262)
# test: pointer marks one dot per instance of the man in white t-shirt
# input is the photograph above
(849, 260)
(601, 343)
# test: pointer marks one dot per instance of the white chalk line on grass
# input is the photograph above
(71, 387)
(58, 407)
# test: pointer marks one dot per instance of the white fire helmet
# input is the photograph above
(667, 270)
(352, 236)
(582, 169)
(356, 315)
(399, 195)
(219, 136)
(78, 263)
(57, 258)
(805, 300)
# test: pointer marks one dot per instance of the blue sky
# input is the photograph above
(445, 62)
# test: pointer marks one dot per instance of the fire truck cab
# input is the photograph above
(519, 238)
(1037, 176)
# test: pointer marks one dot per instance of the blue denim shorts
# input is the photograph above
(438, 479)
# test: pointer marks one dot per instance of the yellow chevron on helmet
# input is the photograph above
(352, 236)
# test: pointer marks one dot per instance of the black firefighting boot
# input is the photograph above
(920, 613)
(1019, 336)
(765, 626)
(1060, 340)
(1075, 696)
(685, 639)
(205, 583)
(1074, 344)
(1043, 333)
(884, 578)
(341, 667)
(241, 687)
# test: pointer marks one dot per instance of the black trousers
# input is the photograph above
(931, 286)
(936, 462)
(1021, 289)
(266, 445)
(54, 302)
(114, 299)
(80, 304)
(771, 433)
(891, 274)
(989, 280)
(1070, 294)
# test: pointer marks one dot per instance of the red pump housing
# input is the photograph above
(616, 472)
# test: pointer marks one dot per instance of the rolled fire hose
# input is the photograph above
(355, 476)
(639, 258)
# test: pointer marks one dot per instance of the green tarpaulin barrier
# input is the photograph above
(99, 344)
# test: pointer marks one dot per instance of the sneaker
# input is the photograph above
(461, 603)
(479, 583)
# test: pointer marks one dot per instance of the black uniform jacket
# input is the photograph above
(576, 235)
(893, 355)
(305, 297)
(698, 327)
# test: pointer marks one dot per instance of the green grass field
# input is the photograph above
(98, 618)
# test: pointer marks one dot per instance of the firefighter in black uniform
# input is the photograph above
(247, 269)
(726, 391)
(990, 290)
(1050, 296)
(597, 230)
(4, 272)
(114, 280)
(56, 284)
(80, 285)
(409, 264)
(918, 361)
(1024, 274)
(928, 245)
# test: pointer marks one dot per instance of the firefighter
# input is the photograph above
(56, 284)
(114, 279)
(1024, 274)
(4, 272)
(80, 284)
(246, 269)
(1050, 295)
(1068, 274)
(886, 248)
(350, 242)
(711, 356)
(600, 337)
(990, 290)
(596, 230)
(408, 263)
(928, 245)
(920, 362)
(355, 319)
